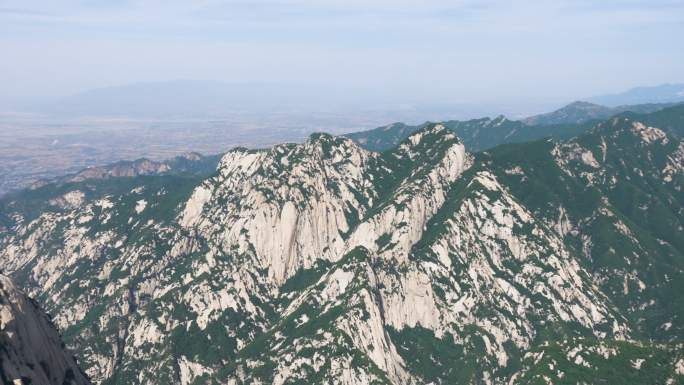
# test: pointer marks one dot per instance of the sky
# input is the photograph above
(465, 50)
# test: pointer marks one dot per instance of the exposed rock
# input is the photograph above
(31, 351)
(323, 262)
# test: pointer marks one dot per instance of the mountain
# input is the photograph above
(669, 119)
(31, 351)
(188, 163)
(614, 194)
(383, 138)
(582, 112)
(477, 134)
(481, 134)
(576, 112)
(665, 93)
(38, 196)
(323, 262)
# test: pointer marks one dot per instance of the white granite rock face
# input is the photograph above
(318, 253)
(287, 204)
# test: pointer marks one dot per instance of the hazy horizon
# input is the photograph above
(464, 52)
(91, 82)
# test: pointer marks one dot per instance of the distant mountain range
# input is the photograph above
(665, 93)
(582, 112)
(479, 134)
(190, 163)
(206, 99)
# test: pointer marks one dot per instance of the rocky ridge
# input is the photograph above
(326, 262)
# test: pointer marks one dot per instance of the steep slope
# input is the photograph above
(31, 351)
(669, 119)
(72, 258)
(326, 262)
(152, 273)
(589, 361)
(615, 195)
(493, 295)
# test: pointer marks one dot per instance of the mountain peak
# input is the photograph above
(429, 137)
(498, 120)
(581, 104)
(437, 129)
(320, 136)
(620, 125)
(575, 113)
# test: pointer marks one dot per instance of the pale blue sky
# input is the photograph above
(467, 50)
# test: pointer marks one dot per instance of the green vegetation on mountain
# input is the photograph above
(572, 120)
(556, 260)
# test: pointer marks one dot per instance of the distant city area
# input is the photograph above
(103, 126)
(32, 151)
(34, 148)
